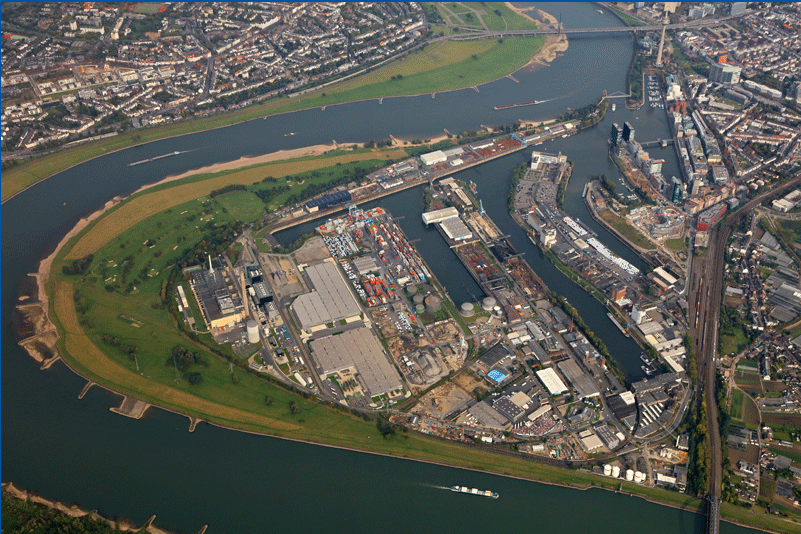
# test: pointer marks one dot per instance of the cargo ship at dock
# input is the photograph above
(474, 491)
(617, 324)
(518, 105)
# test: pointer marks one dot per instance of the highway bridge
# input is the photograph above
(477, 33)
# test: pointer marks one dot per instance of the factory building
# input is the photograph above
(432, 158)
(585, 386)
(552, 382)
(455, 229)
(327, 201)
(329, 301)
(359, 349)
(222, 308)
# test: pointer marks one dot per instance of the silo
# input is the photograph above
(629, 474)
(433, 303)
(253, 331)
(616, 471)
(418, 299)
(468, 309)
(488, 303)
(419, 308)
(607, 470)
(639, 477)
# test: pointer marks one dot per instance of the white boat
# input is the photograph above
(613, 107)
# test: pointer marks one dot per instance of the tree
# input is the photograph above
(194, 378)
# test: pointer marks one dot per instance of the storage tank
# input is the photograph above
(629, 474)
(253, 331)
(639, 477)
(433, 303)
(488, 303)
(607, 470)
(616, 471)
(418, 299)
(468, 309)
(419, 308)
(411, 289)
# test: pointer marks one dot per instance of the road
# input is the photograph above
(705, 317)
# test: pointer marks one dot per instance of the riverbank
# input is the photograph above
(75, 511)
(19, 178)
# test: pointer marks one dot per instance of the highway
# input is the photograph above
(704, 324)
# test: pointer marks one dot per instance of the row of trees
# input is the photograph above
(182, 358)
(78, 266)
(130, 350)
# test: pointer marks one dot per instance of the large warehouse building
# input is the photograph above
(440, 215)
(552, 381)
(330, 300)
(221, 307)
(357, 348)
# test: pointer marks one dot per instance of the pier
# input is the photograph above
(657, 142)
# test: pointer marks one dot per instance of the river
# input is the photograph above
(79, 452)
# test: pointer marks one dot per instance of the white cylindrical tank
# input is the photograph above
(629, 474)
(488, 303)
(468, 309)
(638, 476)
(253, 331)
(616, 471)
(607, 470)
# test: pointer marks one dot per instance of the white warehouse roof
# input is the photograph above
(330, 301)
(552, 381)
(440, 215)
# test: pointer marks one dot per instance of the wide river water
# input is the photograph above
(79, 452)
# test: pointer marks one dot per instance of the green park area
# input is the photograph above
(243, 206)
(626, 230)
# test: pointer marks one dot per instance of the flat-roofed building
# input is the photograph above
(440, 215)
(331, 299)
(585, 386)
(455, 229)
(357, 348)
(552, 381)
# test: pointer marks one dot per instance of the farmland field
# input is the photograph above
(750, 411)
(737, 404)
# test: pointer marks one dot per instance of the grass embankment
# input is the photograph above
(157, 199)
(626, 230)
(439, 67)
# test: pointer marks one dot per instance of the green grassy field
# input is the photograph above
(628, 231)
(737, 404)
(242, 205)
(676, 244)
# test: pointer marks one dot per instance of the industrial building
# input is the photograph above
(357, 348)
(330, 300)
(585, 386)
(432, 158)
(455, 229)
(327, 201)
(552, 381)
(221, 308)
(439, 215)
